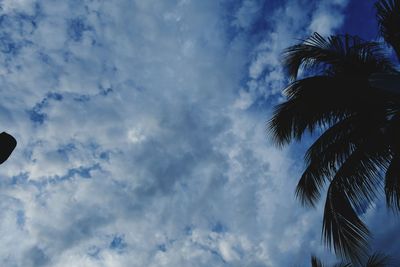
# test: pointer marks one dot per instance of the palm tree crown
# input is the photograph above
(357, 151)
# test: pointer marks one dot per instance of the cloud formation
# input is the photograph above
(139, 138)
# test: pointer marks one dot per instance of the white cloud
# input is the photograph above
(18, 5)
(247, 12)
(328, 17)
(289, 23)
(147, 157)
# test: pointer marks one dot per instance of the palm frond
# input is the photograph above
(313, 179)
(392, 184)
(343, 264)
(388, 16)
(342, 228)
(352, 189)
(320, 102)
(310, 106)
(333, 142)
(327, 155)
(361, 174)
(392, 177)
(336, 54)
(323, 158)
(315, 262)
(378, 260)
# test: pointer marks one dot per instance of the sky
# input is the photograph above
(141, 129)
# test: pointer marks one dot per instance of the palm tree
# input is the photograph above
(375, 260)
(357, 150)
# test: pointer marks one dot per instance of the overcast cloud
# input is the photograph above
(141, 133)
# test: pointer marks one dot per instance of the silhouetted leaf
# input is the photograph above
(388, 16)
(378, 260)
(315, 262)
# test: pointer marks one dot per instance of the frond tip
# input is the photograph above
(378, 260)
(392, 184)
(332, 54)
(342, 228)
(315, 262)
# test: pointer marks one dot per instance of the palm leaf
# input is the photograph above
(342, 264)
(323, 158)
(352, 189)
(342, 228)
(388, 16)
(323, 100)
(361, 176)
(392, 177)
(336, 54)
(378, 260)
(315, 262)
(392, 184)
(309, 107)
(334, 147)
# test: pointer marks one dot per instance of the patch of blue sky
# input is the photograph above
(20, 218)
(55, 96)
(188, 230)
(93, 146)
(82, 98)
(67, 56)
(37, 257)
(66, 149)
(7, 45)
(45, 58)
(15, 30)
(361, 22)
(21, 178)
(262, 23)
(218, 227)
(105, 91)
(162, 247)
(27, 20)
(77, 27)
(83, 172)
(105, 156)
(246, 20)
(262, 104)
(130, 83)
(36, 114)
(83, 225)
(21, 23)
(118, 243)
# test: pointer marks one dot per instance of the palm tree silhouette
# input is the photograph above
(375, 260)
(348, 93)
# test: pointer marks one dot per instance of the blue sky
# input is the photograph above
(141, 133)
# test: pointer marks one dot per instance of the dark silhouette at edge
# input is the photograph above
(375, 260)
(7, 144)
